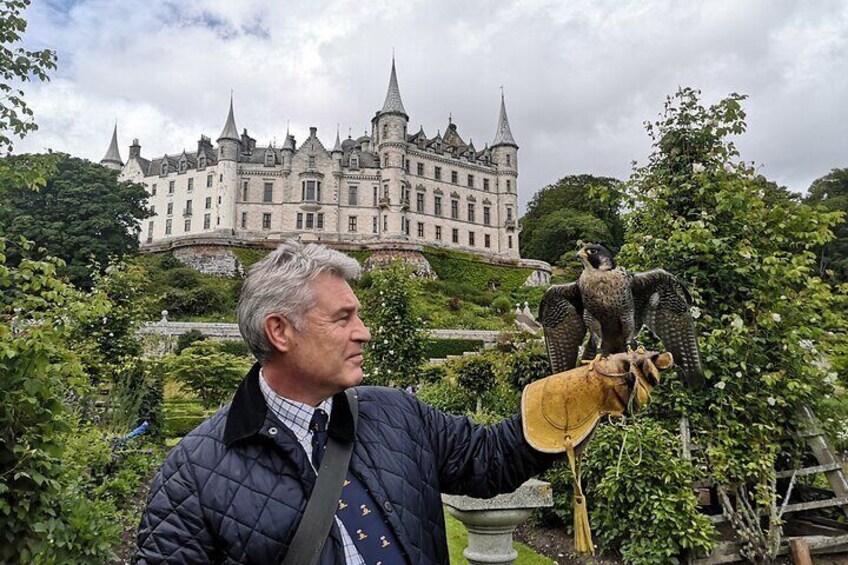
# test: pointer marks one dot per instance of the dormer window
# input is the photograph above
(163, 170)
(311, 161)
(269, 159)
(183, 165)
(354, 162)
(201, 162)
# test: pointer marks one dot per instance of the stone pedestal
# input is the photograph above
(491, 522)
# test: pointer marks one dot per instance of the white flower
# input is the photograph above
(720, 385)
(830, 378)
(649, 237)
(391, 351)
(385, 342)
(695, 311)
(111, 334)
(776, 317)
(698, 168)
(728, 167)
(771, 401)
(745, 254)
(806, 344)
(739, 374)
(737, 322)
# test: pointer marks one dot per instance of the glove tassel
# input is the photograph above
(583, 543)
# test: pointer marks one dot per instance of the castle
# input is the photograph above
(390, 187)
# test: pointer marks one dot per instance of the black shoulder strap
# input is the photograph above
(314, 527)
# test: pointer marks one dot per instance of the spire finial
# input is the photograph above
(338, 145)
(112, 159)
(393, 103)
(503, 134)
(230, 130)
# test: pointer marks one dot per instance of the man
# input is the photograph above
(234, 489)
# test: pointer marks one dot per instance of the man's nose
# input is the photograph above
(361, 333)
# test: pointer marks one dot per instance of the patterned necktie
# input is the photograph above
(358, 511)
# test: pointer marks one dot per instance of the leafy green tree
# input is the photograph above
(577, 207)
(831, 192)
(209, 373)
(83, 213)
(396, 350)
(744, 246)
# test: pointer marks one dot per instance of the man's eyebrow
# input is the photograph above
(347, 310)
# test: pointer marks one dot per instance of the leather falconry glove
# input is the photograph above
(560, 412)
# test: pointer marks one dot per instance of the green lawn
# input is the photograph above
(458, 540)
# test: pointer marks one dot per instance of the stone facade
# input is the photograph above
(389, 186)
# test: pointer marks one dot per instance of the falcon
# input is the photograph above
(613, 305)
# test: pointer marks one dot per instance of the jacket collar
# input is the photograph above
(248, 412)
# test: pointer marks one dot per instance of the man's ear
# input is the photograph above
(278, 330)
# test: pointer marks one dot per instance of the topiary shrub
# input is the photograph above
(441, 348)
(502, 304)
(188, 339)
(447, 397)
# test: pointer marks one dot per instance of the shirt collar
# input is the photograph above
(295, 415)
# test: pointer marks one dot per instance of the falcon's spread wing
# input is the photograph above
(662, 303)
(561, 315)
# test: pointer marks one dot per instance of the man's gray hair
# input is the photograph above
(280, 284)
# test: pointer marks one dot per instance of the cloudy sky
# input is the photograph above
(580, 76)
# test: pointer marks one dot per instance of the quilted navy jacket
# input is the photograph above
(235, 488)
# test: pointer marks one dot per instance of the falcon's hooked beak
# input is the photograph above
(583, 256)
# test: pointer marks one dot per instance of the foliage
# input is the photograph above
(182, 416)
(474, 373)
(441, 348)
(248, 256)
(575, 208)
(136, 397)
(432, 373)
(447, 396)
(82, 213)
(234, 347)
(17, 64)
(831, 192)
(395, 352)
(188, 339)
(528, 363)
(502, 304)
(211, 375)
(744, 247)
(469, 270)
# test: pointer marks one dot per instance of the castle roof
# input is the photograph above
(503, 135)
(393, 103)
(230, 130)
(112, 154)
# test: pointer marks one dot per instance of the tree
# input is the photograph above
(83, 213)
(577, 207)
(396, 350)
(831, 192)
(744, 246)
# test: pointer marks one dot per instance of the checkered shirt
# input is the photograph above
(297, 416)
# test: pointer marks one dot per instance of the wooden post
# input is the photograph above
(800, 551)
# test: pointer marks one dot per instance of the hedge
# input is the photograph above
(441, 348)
(467, 269)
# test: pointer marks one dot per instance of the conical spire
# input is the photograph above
(393, 103)
(113, 156)
(338, 145)
(230, 129)
(503, 135)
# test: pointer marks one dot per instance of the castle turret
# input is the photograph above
(389, 134)
(112, 159)
(504, 153)
(229, 147)
(337, 153)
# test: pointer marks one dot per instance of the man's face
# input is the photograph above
(326, 357)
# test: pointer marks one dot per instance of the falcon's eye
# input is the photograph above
(590, 251)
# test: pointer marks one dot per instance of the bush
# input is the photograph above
(502, 304)
(183, 277)
(188, 339)
(447, 397)
(136, 397)
(527, 364)
(474, 373)
(430, 374)
(211, 375)
(235, 347)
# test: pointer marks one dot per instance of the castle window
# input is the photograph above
(385, 191)
(244, 186)
(486, 185)
(268, 194)
(352, 195)
(487, 240)
(153, 210)
(508, 185)
(420, 229)
(171, 187)
(471, 238)
(374, 224)
(207, 221)
(471, 181)
(269, 159)
(385, 223)
(385, 130)
(385, 159)
(167, 227)
(437, 173)
(266, 221)
(153, 190)
(509, 213)
(406, 227)
(187, 225)
(244, 220)
(208, 204)
(183, 165)
(190, 185)
(217, 220)
(187, 210)
(510, 242)
(455, 235)
(149, 232)
(405, 162)
(209, 181)
(454, 209)
(170, 208)
(420, 169)
(487, 215)
(351, 224)
(437, 205)
(163, 169)
(201, 162)
(354, 162)
(310, 221)
(508, 160)
(454, 177)
(419, 202)
(311, 190)
(375, 196)
(319, 221)
(471, 212)
(299, 221)
(219, 203)
(438, 233)
(312, 161)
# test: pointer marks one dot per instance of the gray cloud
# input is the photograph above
(580, 77)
